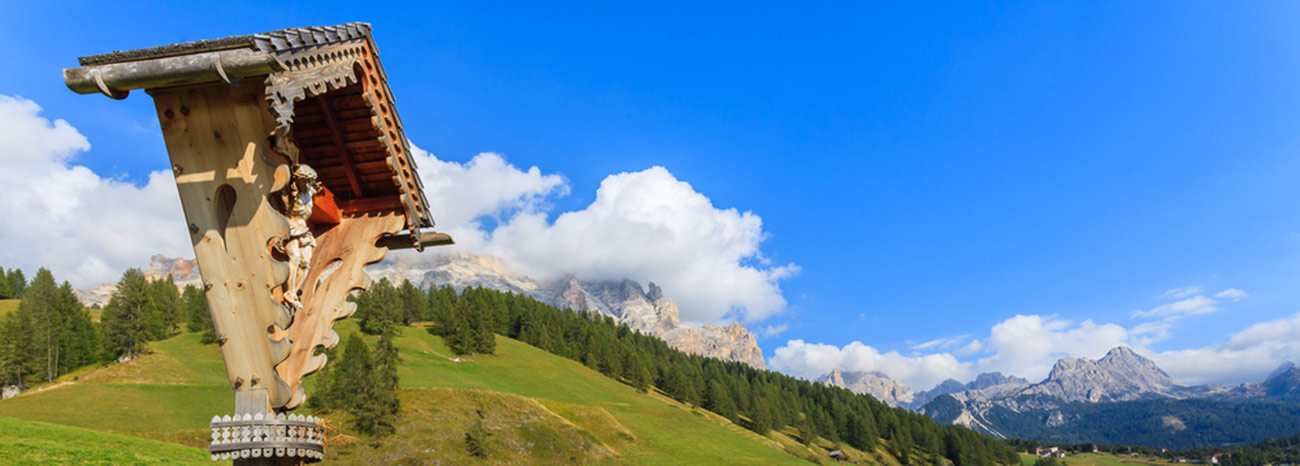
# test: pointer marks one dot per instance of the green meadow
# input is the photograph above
(30, 442)
(537, 408)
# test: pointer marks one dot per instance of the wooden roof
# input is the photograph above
(326, 88)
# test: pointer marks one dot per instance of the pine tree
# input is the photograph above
(81, 343)
(126, 318)
(762, 421)
(485, 341)
(38, 304)
(347, 377)
(807, 431)
(376, 411)
(4, 285)
(380, 308)
(198, 315)
(17, 283)
(414, 302)
(18, 348)
(167, 302)
(442, 305)
(462, 340)
(476, 439)
(717, 399)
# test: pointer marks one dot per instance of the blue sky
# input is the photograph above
(933, 170)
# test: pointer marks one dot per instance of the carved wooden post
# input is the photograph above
(294, 174)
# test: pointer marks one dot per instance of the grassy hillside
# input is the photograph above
(28, 442)
(1099, 459)
(537, 407)
(8, 305)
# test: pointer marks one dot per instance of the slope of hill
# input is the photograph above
(537, 406)
(29, 442)
(648, 311)
(8, 305)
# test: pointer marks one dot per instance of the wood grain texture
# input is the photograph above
(216, 136)
(352, 244)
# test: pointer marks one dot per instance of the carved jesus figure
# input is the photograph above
(298, 201)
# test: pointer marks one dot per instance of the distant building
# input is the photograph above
(839, 455)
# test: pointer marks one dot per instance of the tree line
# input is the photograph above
(1284, 450)
(51, 333)
(759, 400)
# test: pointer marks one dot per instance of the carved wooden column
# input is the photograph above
(288, 153)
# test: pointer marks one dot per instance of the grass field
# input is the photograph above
(8, 305)
(539, 408)
(1098, 459)
(28, 442)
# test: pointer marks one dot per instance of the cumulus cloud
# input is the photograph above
(1234, 294)
(463, 196)
(1246, 356)
(59, 215)
(647, 226)
(650, 226)
(810, 360)
(1029, 345)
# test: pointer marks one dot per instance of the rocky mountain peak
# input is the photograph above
(654, 293)
(947, 386)
(875, 384)
(649, 312)
(182, 271)
(993, 379)
(1282, 369)
(1121, 375)
(1285, 380)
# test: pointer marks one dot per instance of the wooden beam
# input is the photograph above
(370, 204)
(342, 146)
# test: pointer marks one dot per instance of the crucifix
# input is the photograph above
(294, 174)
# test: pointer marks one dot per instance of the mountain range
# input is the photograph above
(644, 309)
(1121, 398)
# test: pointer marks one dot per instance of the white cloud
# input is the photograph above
(59, 215)
(1024, 345)
(770, 331)
(1029, 345)
(1178, 293)
(1234, 294)
(647, 226)
(1246, 357)
(975, 346)
(810, 360)
(941, 343)
(650, 226)
(461, 196)
(1190, 306)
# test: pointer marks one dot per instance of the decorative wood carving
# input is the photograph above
(352, 245)
(217, 138)
(230, 128)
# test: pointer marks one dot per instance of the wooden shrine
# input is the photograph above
(294, 174)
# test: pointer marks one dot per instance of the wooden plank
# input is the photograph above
(351, 244)
(216, 135)
(370, 204)
(341, 146)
